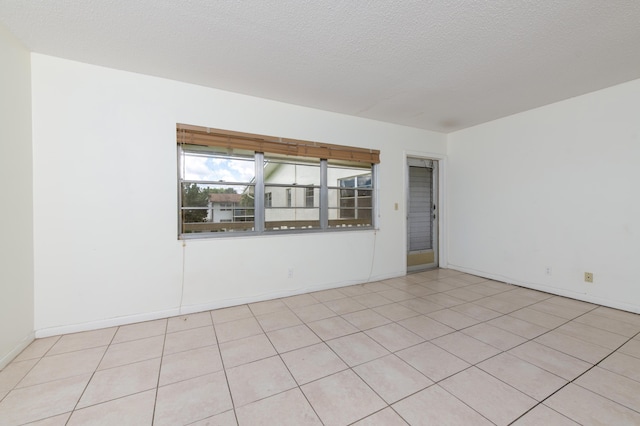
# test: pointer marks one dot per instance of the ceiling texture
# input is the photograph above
(440, 65)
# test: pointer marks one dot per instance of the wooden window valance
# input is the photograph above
(205, 136)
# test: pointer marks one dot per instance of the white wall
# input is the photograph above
(552, 187)
(106, 250)
(16, 218)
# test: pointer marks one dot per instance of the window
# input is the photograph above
(309, 196)
(251, 184)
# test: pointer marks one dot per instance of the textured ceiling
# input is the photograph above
(438, 65)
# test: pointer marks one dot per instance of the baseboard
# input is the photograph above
(552, 290)
(200, 307)
(7, 358)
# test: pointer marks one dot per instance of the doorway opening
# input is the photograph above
(422, 214)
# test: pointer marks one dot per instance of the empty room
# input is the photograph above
(319, 213)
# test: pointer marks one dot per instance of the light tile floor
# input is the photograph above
(437, 347)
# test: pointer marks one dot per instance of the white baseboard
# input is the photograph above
(615, 304)
(8, 357)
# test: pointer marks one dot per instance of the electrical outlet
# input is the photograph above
(290, 273)
(548, 270)
(588, 277)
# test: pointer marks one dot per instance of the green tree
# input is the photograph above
(194, 196)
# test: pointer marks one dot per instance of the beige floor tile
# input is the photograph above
(378, 286)
(278, 320)
(312, 363)
(189, 339)
(237, 329)
(187, 322)
(492, 398)
(366, 319)
(314, 312)
(613, 386)
(140, 330)
(475, 311)
(593, 335)
(41, 401)
(516, 326)
(238, 352)
(326, 295)
(609, 324)
(372, 300)
(543, 415)
(467, 348)
(395, 312)
(84, 340)
(331, 328)
(230, 314)
(133, 351)
(189, 364)
(425, 327)
(566, 302)
(494, 336)
(342, 398)
(354, 290)
(191, 400)
(623, 364)
(422, 306)
(465, 294)
(394, 337)
(11, 375)
(386, 417)
(524, 376)
(551, 360)
(471, 279)
(259, 379)
(440, 287)
(60, 420)
(419, 290)
(575, 347)
(392, 378)
(432, 361)
(65, 365)
(632, 347)
(395, 295)
(289, 408)
(443, 300)
(555, 309)
(121, 381)
(37, 349)
(134, 410)
(435, 406)
(357, 348)
(268, 306)
(498, 304)
(453, 319)
(344, 306)
(299, 301)
(486, 289)
(228, 418)
(587, 408)
(542, 319)
(288, 339)
(617, 314)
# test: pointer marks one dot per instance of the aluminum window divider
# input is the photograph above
(324, 196)
(258, 204)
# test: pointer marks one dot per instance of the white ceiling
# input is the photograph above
(438, 65)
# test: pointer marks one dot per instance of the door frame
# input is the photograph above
(441, 250)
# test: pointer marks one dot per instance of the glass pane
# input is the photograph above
(289, 208)
(211, 167)
(281, 172)
(217, 208)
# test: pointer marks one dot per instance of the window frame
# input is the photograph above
(260, 203)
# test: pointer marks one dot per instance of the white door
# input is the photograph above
(422, 214)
